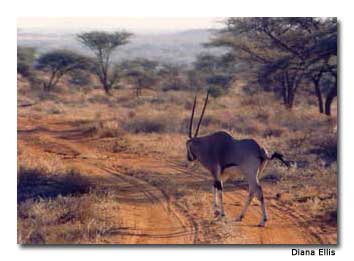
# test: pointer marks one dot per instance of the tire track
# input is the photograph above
(298, 219)
(178, 212)
(279, 215)
(182, 209)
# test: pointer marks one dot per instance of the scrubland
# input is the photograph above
(93, 168)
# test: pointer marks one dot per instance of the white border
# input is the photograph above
(162, 8)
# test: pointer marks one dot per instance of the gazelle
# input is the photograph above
(220, 151)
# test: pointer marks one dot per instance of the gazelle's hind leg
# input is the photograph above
(253, 169)
(259, 195)
(245, 206)
(261, 168)
(251, 175)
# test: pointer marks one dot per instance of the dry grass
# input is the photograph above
(57, 204)
(66, 219)
(57, 208)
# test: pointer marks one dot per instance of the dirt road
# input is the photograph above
(161, 200)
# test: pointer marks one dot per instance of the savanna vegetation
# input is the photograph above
(101, 143)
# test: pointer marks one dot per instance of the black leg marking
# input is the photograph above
(217, 185)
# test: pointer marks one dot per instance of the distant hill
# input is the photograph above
(173, 47)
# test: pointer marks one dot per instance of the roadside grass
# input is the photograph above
(65, 207)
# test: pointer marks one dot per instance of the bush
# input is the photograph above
(33, 183)
(215, 91)
(175, 86)
(147, 125)
(61, 62)
(109, 129)
(80, 78)
(25, 58)
(219, 80)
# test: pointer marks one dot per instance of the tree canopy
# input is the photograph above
(59, 63)
(283, 52)
(103, 44)
(142, 72)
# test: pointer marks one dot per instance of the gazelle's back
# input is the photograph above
(225, 150)
(245, 149)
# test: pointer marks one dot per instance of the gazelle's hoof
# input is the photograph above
(216, 213)
(262, 224)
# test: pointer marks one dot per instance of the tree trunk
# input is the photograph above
(329, 99)
(319, 95)
(290, 99)
(107, 88)
(284, 91)
(49, 85)
(138, 88)
(285, 95)
(45, 87)
(288, 91)
(103, 76)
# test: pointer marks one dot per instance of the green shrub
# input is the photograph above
(147, 125)
(215, 91)
(79, 78)
(25, 58)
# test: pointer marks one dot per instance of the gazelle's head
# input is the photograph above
(192, 142)
(191, 150)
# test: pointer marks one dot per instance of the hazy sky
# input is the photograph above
(139, 24)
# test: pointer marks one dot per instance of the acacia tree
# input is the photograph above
(207, 63)
(58, 63)
(323, 76)
(173, 76)
(280, 50)
(142, 72)
(322, 65)
(214, 71)
(103, 44)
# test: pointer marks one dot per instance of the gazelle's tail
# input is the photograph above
(279, 156)
(275, 155)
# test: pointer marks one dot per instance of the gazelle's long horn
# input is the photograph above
(201, 116)
(192, 116)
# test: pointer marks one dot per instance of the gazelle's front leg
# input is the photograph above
(219, 187)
